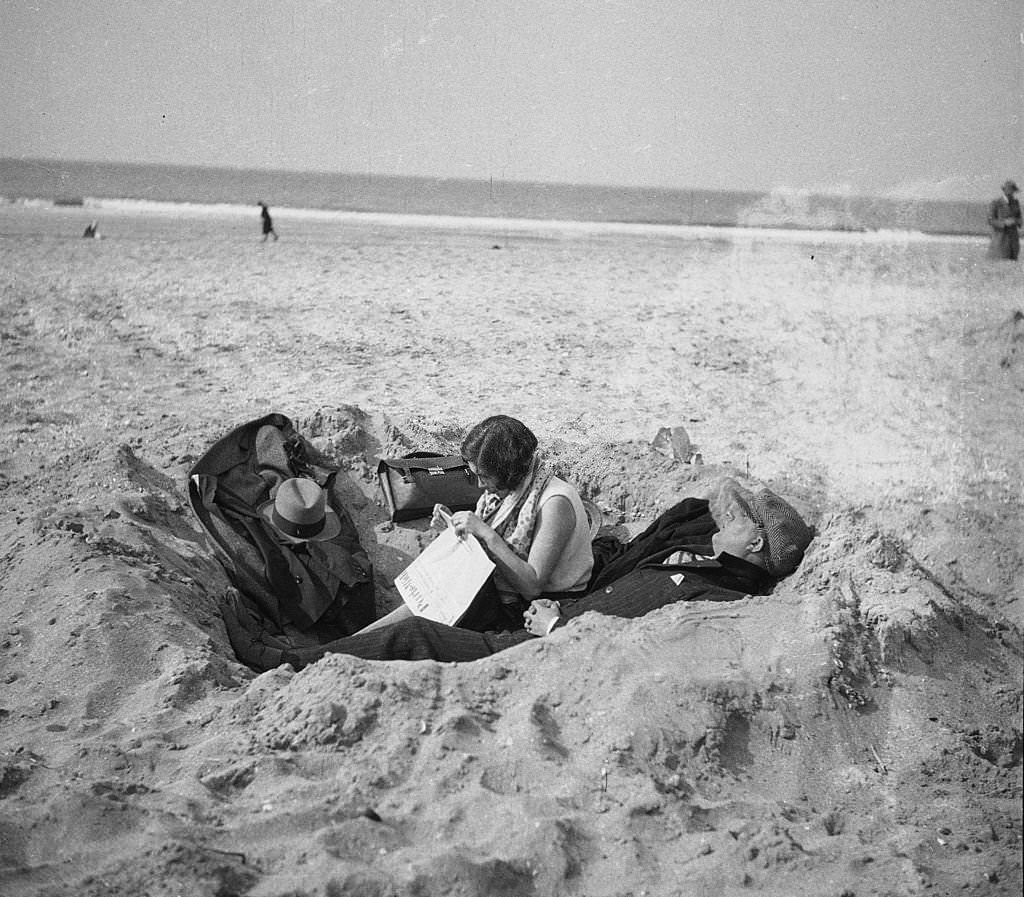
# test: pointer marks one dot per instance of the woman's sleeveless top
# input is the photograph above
(572, 572)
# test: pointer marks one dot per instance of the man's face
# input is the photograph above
(737, 533)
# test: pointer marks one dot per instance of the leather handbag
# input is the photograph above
(413, 484)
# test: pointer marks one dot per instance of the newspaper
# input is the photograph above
(445, 578)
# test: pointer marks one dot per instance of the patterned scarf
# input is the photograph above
(514, 518)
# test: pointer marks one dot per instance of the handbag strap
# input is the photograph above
(426, 461)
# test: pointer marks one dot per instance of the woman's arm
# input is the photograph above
(556, 521)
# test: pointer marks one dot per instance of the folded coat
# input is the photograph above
(307, 593)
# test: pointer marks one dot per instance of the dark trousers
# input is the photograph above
(488, 627)
(413, 639)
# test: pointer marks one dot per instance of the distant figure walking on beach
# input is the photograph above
(1005, 221)
(92, 231)
(268, 222)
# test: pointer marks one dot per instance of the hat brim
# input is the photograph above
(332, 524)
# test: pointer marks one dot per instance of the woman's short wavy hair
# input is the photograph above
(503, 448)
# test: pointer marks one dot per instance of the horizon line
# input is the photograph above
(585, 185)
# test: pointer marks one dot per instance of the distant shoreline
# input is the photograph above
(96, 185)
(96, 208)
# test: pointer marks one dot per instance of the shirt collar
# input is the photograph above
(726, 564)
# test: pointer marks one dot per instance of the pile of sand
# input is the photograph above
(857, 732)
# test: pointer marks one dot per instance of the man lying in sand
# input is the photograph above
(740, 543)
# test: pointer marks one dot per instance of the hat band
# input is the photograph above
(298, 530)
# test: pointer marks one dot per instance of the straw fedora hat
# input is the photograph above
(299, 511)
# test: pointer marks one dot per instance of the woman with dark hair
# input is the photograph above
(531, 523)
(502, 445)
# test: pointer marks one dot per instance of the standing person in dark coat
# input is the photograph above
(1005, 220)
(742, 547)
(268, 222)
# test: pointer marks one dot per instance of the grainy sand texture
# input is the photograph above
(858, 732)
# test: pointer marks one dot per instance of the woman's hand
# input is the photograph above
(441, 518)
(540, 615)
(466, 523)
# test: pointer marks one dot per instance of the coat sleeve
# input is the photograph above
(646, 589)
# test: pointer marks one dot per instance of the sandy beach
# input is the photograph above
(858, 732)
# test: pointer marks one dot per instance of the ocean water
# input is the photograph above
(107, 184)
